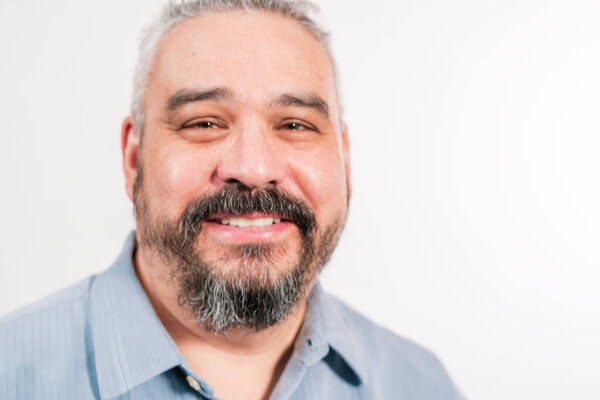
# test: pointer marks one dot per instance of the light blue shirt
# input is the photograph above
(101, 339)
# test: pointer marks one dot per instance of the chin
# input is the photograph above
(255, 264)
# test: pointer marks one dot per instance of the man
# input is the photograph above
(236, 160)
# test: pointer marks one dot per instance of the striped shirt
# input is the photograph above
(101, 339)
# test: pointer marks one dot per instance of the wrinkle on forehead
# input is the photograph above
(251, 53)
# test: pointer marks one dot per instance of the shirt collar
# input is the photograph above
(325, 329)
(130, 343)
(131, 346)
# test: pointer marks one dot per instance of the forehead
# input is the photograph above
(256, 54)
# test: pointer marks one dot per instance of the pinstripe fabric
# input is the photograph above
(101, 339)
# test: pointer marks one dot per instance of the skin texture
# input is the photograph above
(243, 137)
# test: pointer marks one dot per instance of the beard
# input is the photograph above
(251, 285)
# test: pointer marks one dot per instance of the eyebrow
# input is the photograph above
(302, 100)
(185, 96)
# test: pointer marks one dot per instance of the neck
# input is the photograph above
(243, 354)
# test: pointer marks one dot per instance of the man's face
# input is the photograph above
(241, 108)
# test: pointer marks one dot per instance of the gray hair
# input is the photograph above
(177, 11)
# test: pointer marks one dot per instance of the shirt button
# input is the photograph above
(193, 383)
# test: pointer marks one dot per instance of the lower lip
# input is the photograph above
(246, 235)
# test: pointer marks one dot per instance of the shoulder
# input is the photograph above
(396, 364)
(44, 343)
(51, 306)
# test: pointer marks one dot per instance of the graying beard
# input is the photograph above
(220, 302)
(223, 303)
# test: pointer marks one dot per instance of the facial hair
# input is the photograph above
(266, 283)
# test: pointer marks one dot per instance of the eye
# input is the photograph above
(202, 125)
(297, 126)
(293, 126)
(203, 129)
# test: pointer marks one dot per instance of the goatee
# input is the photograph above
(267, 281)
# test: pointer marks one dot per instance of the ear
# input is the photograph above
(130, 145)
(346, 145)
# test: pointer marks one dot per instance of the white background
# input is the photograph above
(475, 222)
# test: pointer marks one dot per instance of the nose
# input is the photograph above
(252, 159)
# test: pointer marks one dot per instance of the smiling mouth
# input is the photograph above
(249, 223)
(252, 223)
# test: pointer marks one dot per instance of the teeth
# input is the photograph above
(252, 223)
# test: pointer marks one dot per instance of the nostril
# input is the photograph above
(251, 162)
(233, 180)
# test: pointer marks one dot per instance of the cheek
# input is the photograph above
(322, 180)
(175, 178)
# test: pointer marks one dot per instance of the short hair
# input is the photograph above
(176, 12)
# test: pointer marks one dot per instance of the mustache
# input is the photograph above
(238, 199)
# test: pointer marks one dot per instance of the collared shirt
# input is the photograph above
(102, 339)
